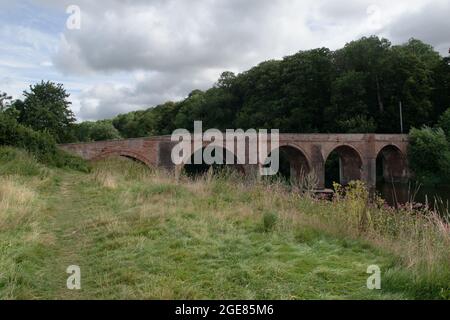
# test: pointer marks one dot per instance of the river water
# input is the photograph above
(402, 193)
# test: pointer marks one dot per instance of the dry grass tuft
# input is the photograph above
(16, 202)
(105, 178)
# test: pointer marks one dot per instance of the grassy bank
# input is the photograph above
(145, 234)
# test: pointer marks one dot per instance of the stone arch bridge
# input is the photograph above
(357, 153)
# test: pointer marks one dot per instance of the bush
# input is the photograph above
(41, 144)
(19, 162)
(95, 131)
(444, 123)
(429, 155)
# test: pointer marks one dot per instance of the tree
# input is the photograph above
(441, 87)
(128, 124)
(261, 93)
(46, 108)
(429, 155)
(357, 124)
(367, 55)
(158, 120)
(409, 82)
(226, 80)
(306, 79)
(348, 99)
(96, 131)
(444, 123)
(5, 101)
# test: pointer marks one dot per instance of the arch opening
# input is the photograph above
(194, 170)
(391, 165)
(123, 155)
(343, 165)
(293, 165)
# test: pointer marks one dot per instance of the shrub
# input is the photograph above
(19, 162)
(95, 131)
(40, 144)
(429, 155)
(444, 123)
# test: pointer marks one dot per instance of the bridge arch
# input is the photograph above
(192, 169)
(123, 153)
(294, 161)
(391, 164)
(343, 164)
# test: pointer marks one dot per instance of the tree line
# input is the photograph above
(354, 89)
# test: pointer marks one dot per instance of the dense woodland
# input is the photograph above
(354, 89)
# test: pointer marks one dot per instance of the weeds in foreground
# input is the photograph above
(416, 234)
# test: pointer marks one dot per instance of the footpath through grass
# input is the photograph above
(138, 234)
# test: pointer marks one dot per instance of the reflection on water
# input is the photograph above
(403, 193)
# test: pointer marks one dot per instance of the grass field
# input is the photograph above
(142, 234)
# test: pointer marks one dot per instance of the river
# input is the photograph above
(403, 193)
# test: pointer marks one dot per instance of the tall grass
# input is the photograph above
(20, 232)
(19, 162)
(16, 203)
(416, 235)
(153, 233)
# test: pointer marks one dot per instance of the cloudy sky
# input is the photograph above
(130, 55)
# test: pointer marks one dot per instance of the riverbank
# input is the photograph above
(141, 234)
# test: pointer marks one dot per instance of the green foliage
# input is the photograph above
(441, 81)
(5, 101)
(95, 131)
(429, 155)
(41, 144)
(128, 124)
(269, 220)
(46, 108)
(444, 123)
(14, 161)
(357, 124)
(354, 89)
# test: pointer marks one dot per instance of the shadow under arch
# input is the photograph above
(193, 169)
(126, 154)
(343, 165)
(391, 165)
(293, 163)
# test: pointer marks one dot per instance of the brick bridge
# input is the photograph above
(358, 154)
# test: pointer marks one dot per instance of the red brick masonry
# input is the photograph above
(358, 153)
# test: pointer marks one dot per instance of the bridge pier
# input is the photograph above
(319, 170)
(370, 172)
